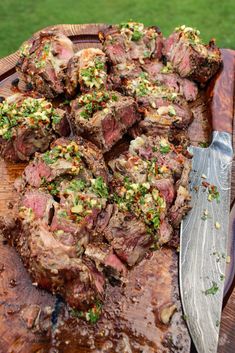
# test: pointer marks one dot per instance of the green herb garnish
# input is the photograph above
(213, 290)
(203, 144)
(165, 149)
(136, 36)
(99, 187)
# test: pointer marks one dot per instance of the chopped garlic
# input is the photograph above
(217, 225)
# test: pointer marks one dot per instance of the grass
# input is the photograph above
(20, 18)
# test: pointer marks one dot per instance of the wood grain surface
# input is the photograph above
(15, 284)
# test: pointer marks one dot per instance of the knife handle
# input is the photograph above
(222, 94)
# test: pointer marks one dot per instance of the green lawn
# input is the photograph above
(20, 18)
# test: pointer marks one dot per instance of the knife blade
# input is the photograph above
(204, 231)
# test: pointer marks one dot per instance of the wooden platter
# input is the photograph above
(17, 292)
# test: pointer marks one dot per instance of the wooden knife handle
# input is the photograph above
(222, 94)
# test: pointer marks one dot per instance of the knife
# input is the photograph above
(204, 231)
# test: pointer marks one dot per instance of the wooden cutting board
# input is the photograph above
(15, 285)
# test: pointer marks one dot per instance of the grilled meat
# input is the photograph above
(63, 194)
(132, 41)
(28, 125)
(163, 108)
(43, 60)
(86, 71)
(146, 192)
(103, 117)
(190, 57)
(165, 76)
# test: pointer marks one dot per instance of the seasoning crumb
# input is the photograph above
(217, 225)
(228, 259)
(204, 176)
(217, 323)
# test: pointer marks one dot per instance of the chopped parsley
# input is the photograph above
(100, 188)
(135, 29)
(62, 213)
(56, 119)
(136, 36)
(47, 158)
(77, 185)
(165, 149)
(213, 290)
(203, 144)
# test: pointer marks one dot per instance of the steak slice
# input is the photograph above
(162, 115)
(190, 57)
(163, 109)
(56, 266)
(128, 237)
(104, 117)
(66, 157)
(121, 72)
(27, 125)
(58, 213)
(86, 70)
(43, 60)
(150, 188)
(131, 41)
(165, 75)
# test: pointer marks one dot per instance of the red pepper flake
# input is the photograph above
(205, 184)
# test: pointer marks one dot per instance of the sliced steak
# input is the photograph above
(43, 60)
(56, 267)
(162, 115)
(165, 75)
(58, 212)
(190, 57)
(164, 110)
(131, 41)
(86, 71)
(150, 181)
(36, 204)
(104, 117)
(66, 157)
(128, 237)
(27, 125)
(121, 72)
